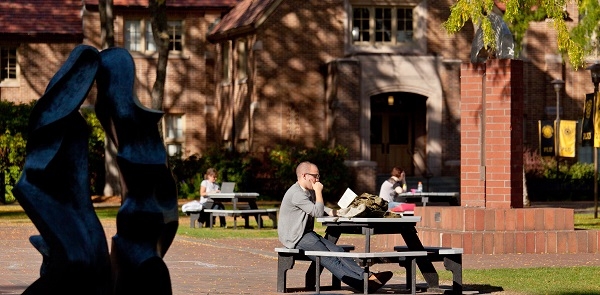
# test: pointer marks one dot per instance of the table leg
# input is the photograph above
(367, 232)
(425, 266)
(309, 278)
(253, 205)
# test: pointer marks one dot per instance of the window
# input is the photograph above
(8, 63)
(174, 134)
(242, 60)
(225, 62)
(138, 36)
(382, 25)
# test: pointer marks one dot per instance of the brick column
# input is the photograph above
(492, 134)
(472, 188)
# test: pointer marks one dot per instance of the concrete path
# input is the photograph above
(238, 266)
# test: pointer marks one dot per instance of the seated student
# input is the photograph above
(301, 204)
(392, 187)
(209, 185)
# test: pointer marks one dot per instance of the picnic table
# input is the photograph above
(449, 198)
(405, 226)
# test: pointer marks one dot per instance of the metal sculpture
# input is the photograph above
(505, 45)
(54, 186)
(148, 218)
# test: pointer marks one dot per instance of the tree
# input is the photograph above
(574, 43)
(107, 25)
(158, 10)
(112, 186)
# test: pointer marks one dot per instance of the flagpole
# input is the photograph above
(595, 71)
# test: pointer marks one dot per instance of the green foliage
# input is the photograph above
(231, 166)
(575, 43)
(271, 177)
(96, 163)
(12, 159)
(334, 174)
(574, 180)
(13, 130)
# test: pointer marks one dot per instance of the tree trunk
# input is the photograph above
(107, 26)
(112, 182)
(160, 32)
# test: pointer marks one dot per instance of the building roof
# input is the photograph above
(40, 18)
(170, 3)
(246, 16)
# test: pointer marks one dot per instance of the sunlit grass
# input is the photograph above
(586, 221)
(580, 280)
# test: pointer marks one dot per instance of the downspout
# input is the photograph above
(482, 169)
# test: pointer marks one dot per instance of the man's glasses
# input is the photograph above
(314, 175)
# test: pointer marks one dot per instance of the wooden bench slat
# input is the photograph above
(437, 250)
(271, 213)
(410, 257)
(364, 255)
(452, 258)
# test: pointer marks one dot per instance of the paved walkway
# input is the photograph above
(236, 266)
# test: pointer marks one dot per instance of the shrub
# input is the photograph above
(96, 163)
(13, 129)
(574, 180)
(270, 176)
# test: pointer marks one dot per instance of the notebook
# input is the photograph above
(227, 187)
(347, 198)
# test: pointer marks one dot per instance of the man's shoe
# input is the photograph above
(379, 280)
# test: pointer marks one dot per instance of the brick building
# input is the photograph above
(379, 77)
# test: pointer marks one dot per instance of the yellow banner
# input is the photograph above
(597, 122)
(566, 145)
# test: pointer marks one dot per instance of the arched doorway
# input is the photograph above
(397, 120)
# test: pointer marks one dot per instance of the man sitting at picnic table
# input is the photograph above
(301, 204)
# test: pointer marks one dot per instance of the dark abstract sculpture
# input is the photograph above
(148, 219)
(54, 186)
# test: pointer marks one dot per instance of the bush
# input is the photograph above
(96, 163)
(573, 182)
(270, 176)
(13, 129)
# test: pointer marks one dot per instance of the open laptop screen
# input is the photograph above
(227, 187)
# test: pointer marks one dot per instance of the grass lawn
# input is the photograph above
(581, 280)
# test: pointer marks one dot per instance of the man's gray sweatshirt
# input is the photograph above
(297, 214)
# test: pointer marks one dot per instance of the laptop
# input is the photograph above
(227, 187)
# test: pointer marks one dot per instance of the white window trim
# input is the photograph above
(143, 42)
(418, 45)
(12, 82)
(177, 139)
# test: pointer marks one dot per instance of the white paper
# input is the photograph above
(347, 198)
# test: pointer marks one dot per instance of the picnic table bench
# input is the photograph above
(407, 258)
(286, 258)
(244, 213)
(452, 258)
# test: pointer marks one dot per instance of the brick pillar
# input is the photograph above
(492, 134)
(472, 189)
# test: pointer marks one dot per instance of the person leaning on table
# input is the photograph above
(301, 204)
(209, 185)
(394, 186)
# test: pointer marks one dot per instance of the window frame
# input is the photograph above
(146, 44)
(226, 62)
(417, 45)
(242, 60)
(377, 25)
(9, 66)
(178, 131)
